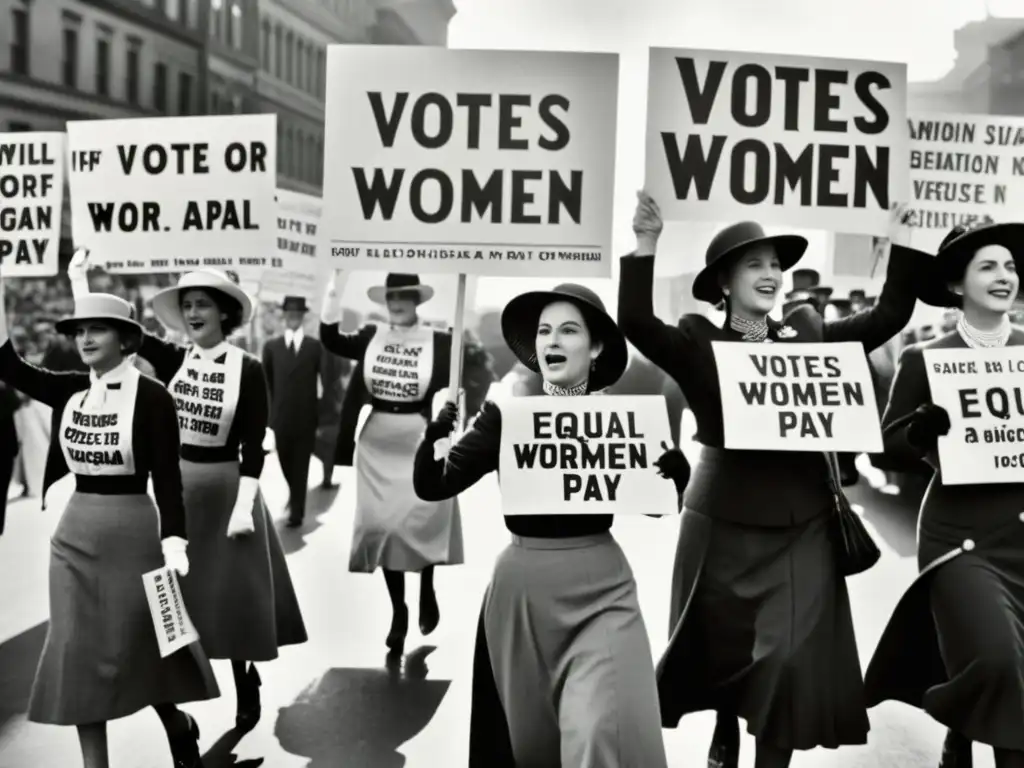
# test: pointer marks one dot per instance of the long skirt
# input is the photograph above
(564, 674)
(763, 630)
(101, 659)
(394, 528)
(954, 646)
(238, 590)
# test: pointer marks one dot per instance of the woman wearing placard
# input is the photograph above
(954, 646)
(239, 592)
(398, 372)
(563, 673)
(761, 619)
(113, 429)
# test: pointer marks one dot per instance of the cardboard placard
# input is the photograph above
(31, 197)
(303, 270)
(964, 169)
(171, 194)
(795, 141)
(797, 397)
(174, 629)
(590, 455)
(480, 162)
(982, 393)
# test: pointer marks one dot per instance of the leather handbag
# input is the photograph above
(856, 551)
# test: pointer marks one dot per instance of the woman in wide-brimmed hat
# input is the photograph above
(399, 370)
(954, 646)
(114, 429)
(239, 592)
(563, 673)
(760, 616)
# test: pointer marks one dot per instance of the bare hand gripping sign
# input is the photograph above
(810, 142)
(982, 394)
(806, 397)
(430, 164)
(31, 195)
(584, 455)
(175, 193)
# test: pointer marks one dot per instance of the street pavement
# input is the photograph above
(331, 703)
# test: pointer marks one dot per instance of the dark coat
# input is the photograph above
(291, 380)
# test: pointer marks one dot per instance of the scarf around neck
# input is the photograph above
(751, 330)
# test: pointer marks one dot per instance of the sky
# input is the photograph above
(917, 32)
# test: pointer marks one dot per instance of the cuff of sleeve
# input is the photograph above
(173, 544)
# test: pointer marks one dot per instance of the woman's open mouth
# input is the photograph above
(554, 360)
(768, 291)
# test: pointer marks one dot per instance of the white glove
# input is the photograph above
(241, 522)
(174, 554)
(269, 444)
(330, 314)
(78, 273)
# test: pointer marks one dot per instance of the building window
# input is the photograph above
(132, 69)
(69, 64)
(184, 93)
(319, 176)
(288, 150)
(310, 70)
(300, 155)
(173, 9)
(289, 51)
(265, 45)
(214, 103)
(19, 38)
(160, 87)
(278, 35)
(191, 13)
(103, 64)
(235, 30)
(300, 59)
(321, 73)
(311, 159)
(216, 17)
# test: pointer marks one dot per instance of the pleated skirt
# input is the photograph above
(238, 591)
(762, 629)
(564, 674)
(101, 660)
(395, 529)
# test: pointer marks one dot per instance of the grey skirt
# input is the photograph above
(570, 660)
(238, 591)
(101, 660)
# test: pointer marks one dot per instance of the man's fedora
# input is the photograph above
(294, 304)
(397, 283)
(730, 244)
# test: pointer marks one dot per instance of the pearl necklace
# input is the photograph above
(977, 339)
(557, 391)
(752, 330)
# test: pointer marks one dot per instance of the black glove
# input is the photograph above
(927, 425)
(673, 465)
(444, 424)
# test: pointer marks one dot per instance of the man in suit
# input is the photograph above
(292, 363)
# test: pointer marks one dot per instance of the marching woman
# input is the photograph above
(563, 673)
(113, 429)
(398, 372)
(955, 645)
(762, 628)
(239, 592)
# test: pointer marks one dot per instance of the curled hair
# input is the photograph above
(226, 304)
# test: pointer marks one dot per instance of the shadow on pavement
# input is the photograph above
(18, 659)
(318, 501)
(358, 718)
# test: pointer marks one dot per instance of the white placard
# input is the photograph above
(171, 194)
(31, 196)
(797, 397)
(546, 469)
(981, 391)
(174, 629)
(964, 169)
(299, 269)
(786, 140)
(481, 162)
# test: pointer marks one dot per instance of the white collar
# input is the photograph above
(115, 374)
(293, 336)
(212, 353)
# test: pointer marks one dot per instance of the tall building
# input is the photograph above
(232, 56)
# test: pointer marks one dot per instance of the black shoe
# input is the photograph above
(328, 485)
(956, 751)
(185, 746)
(430, 614)
(725, 743)
(293, 523)
(399, 629)
(249, 709)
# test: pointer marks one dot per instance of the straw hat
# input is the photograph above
(167, 303)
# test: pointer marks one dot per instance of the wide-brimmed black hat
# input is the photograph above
(397, 283)
(294, 304)
(956, 251)
(731, 243)
(519, 322)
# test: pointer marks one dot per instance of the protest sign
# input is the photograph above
(964, 169)
(479, 162)
(981, 391)
(31, 196)
(584, 456)
(788, 140)
(146, 199)
(302, 270)
(797, 397)
(174, 629)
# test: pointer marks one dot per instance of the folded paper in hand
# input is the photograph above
(171, 621)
